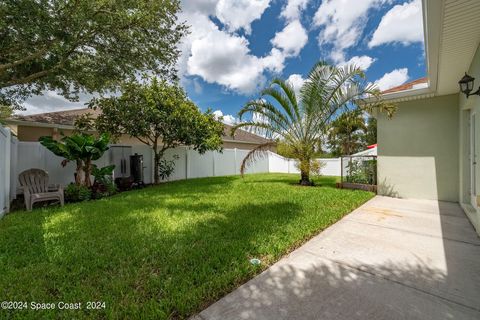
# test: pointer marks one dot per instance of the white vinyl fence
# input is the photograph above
(19, 156)
(277, 163)
(8, 157)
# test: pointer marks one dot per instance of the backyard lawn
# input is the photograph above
(161, 252)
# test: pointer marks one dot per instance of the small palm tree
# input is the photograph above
(301, 122)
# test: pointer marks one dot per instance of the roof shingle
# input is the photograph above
(407, 86)
(68, 117)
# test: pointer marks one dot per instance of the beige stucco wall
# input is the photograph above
(418, 153)
(30, 133)
(466, 106)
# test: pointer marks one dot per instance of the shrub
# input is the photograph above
(103, 185)
(314, 167)
(166, 168)
(76, 193)
(362, 171)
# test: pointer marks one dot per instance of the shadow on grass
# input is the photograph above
(294, 179)
(142, 263)
(161, 252)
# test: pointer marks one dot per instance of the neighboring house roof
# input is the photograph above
(67, 118)
(415, 84)
(368, 152)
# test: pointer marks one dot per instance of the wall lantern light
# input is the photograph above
(466, 85)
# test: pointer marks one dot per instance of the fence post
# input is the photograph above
(7, 169)
(341, 172)
(235, 160)
(213, 162)
(186, 163)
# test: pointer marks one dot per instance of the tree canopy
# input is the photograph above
(347, 133)
(88, 45)
(161, 116)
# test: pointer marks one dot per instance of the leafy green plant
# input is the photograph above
(361, 171)
(314, 167)
(103, 186)
(166, 168)
(104, 174)
(77, 193)
(80, 147)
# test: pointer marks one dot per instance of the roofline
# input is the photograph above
(38, 124)
(70, 127)
(410, 94)
(432, 22)
(59, 111)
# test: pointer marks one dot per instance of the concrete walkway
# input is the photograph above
(389, 259)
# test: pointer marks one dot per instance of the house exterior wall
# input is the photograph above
(466, 107)
(418, 153)
(32, 134)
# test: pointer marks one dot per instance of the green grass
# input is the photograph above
(161, 252)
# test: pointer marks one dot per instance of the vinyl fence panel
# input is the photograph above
(13, 167)
(225, 164)
(5, 148)
(189, 164)
(200, 165)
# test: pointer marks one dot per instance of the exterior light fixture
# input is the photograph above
(466, 85)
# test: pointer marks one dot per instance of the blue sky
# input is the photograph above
(236, 46)
(385, 37)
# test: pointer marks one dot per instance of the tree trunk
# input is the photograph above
(305, 178)
(78, 172)
(156, 165)
(305, 173)
(88, 172)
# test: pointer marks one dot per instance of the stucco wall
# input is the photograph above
(418, 150)
(31, 134)
(466, 106)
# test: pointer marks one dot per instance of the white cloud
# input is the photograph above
(239, 14)
(227, 118)
(274, 61)
(293, 8)
(392, 79)
(202, 6)
(342, 23)
(364, 62)
(403, 24)
(223, 57)
(291, 39)
(50, 101)
(296, 81)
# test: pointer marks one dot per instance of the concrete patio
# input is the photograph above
(389, 259)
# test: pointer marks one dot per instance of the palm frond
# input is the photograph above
(255, 154)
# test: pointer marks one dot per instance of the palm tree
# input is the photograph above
(347, 133)
(301, 122)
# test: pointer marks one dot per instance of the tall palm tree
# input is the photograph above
(347, 133)
(301, 122)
